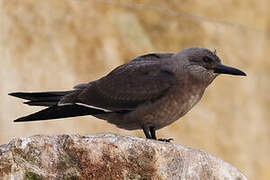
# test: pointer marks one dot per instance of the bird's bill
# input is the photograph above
(222, 69)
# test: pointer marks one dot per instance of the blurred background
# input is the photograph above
(54, 45)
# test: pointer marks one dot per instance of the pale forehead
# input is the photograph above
(201, 52)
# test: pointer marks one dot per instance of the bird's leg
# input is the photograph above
(146, 132)
(153, 135)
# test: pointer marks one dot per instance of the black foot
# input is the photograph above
(166, 140)
(152, 134)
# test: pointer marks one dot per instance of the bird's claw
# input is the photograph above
(166, 140)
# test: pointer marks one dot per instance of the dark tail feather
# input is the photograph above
(42, 98)
(56, 112)
(42, 102)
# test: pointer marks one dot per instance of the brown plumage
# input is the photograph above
(149, 92)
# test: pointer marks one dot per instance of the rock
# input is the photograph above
(107, 156)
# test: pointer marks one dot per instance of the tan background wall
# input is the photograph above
(54, 45)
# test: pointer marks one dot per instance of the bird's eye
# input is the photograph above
(207, 60)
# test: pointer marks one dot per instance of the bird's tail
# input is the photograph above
(41, 98)
(53, 111)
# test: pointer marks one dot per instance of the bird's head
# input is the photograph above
(204, 64)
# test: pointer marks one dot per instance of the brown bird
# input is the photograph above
(149, 92)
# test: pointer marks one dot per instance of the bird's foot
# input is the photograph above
(152, 134)
(166, 140)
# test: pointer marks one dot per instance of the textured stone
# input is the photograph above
(54, 45)
(107, 156)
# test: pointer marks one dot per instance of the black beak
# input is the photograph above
(222, 69)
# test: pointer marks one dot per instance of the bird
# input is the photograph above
(149, 92)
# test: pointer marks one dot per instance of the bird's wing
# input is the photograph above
(143, 79)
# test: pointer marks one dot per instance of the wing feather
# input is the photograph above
(141, 80)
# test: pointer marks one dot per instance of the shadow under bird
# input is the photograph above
(149, 92)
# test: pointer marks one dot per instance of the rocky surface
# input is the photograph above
(54, 45)
(107, 156)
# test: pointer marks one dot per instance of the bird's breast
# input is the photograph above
(174, 106)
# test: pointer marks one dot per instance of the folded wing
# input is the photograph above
(142, 80)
